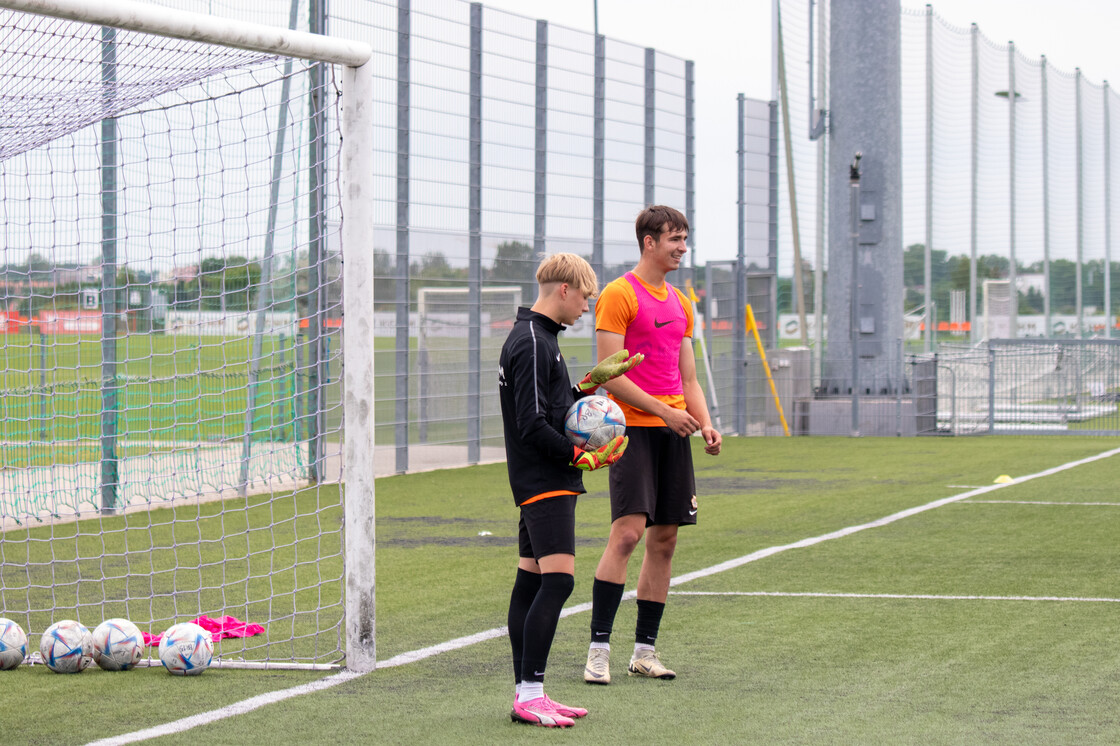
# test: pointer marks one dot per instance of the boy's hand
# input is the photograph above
(604, 456)
(610, 368)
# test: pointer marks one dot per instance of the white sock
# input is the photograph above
(600, 646)
(639, 647)
(516, 689)
(530, 690)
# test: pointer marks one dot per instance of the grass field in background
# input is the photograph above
(930, 629)
(168, 388)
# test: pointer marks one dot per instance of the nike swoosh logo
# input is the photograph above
(692, 512)
(660, 324)
(592, 673)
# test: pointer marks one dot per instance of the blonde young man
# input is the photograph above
(546, 473)
(653, 488)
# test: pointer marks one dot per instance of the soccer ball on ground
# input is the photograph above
(66, 647)
(186, 649)
(13, 644)
(594, 421)
(117, 645)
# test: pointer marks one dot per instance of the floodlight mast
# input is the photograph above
(356, 195)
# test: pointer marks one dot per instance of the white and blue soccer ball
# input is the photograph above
(118, 645)
(186, 649)
(66, 647)
(594, 421)
(13, 644)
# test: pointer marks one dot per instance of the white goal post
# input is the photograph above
(356, 187)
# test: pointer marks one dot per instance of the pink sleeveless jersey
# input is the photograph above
(657, 332)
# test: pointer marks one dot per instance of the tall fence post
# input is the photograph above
(1045, 200)
(474, 271)
(739, 344)
(540, 147)
(927, 266)
(1107, 216)
(1080, 299)
(690, 161)
(316, 252)
(974, 327)
(650, 176)
(600, 160)
(1012, 272)
(403, 294)
(110, 306)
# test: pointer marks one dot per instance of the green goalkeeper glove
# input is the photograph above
(610, 368)
(603, 456)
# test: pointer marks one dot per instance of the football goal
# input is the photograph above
(180, 194)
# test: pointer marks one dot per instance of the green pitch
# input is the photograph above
(934, 628)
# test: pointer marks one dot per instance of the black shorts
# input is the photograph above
(547, 527)
(655, 477)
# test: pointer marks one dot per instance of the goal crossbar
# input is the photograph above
(355, 193)
(180, 24)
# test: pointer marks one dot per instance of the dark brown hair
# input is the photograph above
(657, 219)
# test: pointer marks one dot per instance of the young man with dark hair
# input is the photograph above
(653, 489)
(545, 472)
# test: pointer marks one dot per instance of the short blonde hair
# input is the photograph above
(571, 269)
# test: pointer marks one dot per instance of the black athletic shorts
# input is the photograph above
(654, 477)
(547, 527)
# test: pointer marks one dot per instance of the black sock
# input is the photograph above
(605, 598)
(540, 623)
(649, 621)
(525, 588)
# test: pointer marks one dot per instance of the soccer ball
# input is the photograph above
(13, 644)
(66, 647)
(186, 649)
(594, 421)
(117, 645)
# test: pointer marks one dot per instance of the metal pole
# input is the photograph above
(600, 160)
(110, 404)
(1080, 213)
(739, 325)
(1045, 201)
(690, 161)
(974, 327)
(853, 206)
(795, 232)
(991, 387)
(818, 264)
(540, 173)
(316, 250)
(474, 281)
(1012, 275)
(650, 124)
(927, 265)
(264, 293)
(1107, 217)
(403, 295)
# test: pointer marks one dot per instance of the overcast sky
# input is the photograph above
(730, 42)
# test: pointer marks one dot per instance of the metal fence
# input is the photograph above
(499, 138)
(1008, 167)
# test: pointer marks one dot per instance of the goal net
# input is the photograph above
(170, 446)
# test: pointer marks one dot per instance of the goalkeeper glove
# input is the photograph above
(603, 456)
(610, 368)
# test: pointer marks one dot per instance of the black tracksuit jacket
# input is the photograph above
(535, 393)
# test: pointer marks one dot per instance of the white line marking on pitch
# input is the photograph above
(1034, 502)
(904, 596)
(253, 703)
